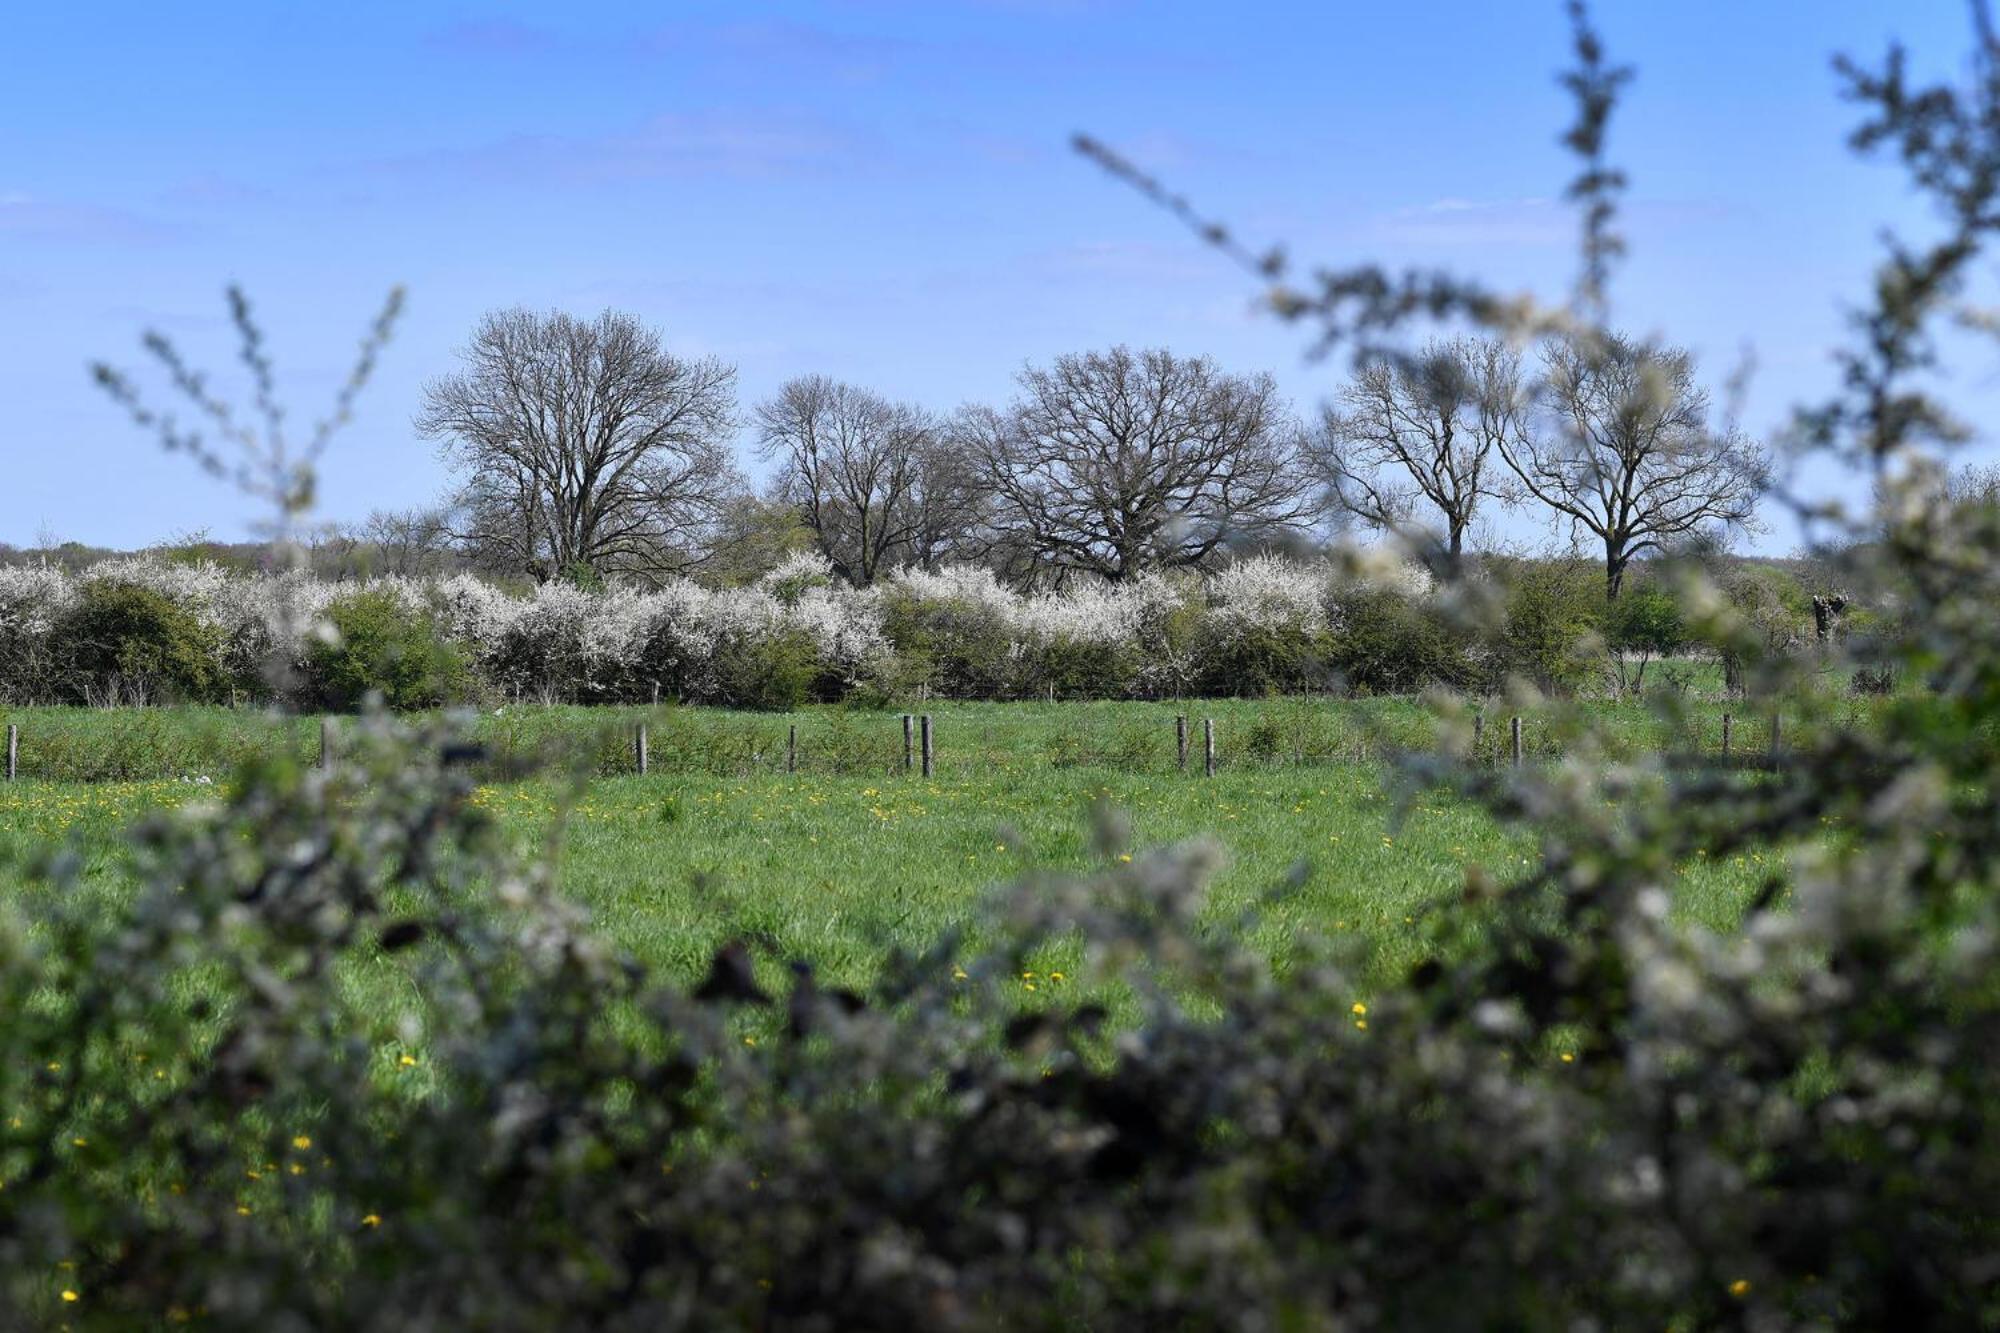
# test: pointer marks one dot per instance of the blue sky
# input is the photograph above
(878, 191)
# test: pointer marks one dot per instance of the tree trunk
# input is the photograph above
(1614, 573)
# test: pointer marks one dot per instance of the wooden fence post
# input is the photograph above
(1775, 737)
(639, 751)
(1726, 720)
(928, 753)
(325, 743)
(908, 743)
(1516, 728)
(13, 750)
(1478, 735)
(792, 749)
(1208, 746)
(1180, 739)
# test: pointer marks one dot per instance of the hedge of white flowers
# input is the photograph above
(955, 632)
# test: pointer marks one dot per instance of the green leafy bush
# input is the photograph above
(381, 646)
(1549, 632)
(1644, 623)
(953, 649)
(122, 643)
(772, 672)
(1387, 643)
(1072, 668)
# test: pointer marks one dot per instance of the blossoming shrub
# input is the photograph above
(1266, 631)
(1262, 625)
(953, 631)
(33, 601)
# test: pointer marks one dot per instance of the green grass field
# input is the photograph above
(839, 869)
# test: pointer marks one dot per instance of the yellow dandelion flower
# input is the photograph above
(1568, 1059)
(1126, 857)
(372, 1220)
(70, 1296)
(406, 1060)
(1359, 1008)
(1055, 976)
(1740, 1288)
(242, 1211)
(302, 1142)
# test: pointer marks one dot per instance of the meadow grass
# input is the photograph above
(840, 869)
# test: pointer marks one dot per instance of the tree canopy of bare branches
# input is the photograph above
(871, 479)
(1408, 448)
(412, 543)
(1625, 452)
(1115, 462)
(584, 445)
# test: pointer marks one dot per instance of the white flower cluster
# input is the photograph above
(1267, 595)
(562, 643)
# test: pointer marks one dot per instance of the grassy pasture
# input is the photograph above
(839, 868)
(973, 739)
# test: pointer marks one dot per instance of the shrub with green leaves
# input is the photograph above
(774, 671)
(1643, 624)
(1388, 643)
(122, 643)
(1549, 633)
(380, 646)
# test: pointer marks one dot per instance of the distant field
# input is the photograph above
(973, 739)
(840, 868)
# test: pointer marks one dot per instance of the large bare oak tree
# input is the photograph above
(1115, 462)
(874, 481)
(584, 445)
(1626, 453)
(1409, 449)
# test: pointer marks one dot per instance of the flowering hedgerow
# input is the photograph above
(956, 632)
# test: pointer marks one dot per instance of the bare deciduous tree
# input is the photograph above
(1115, 462)
(871, 479)
(1628, 454)
(1419, 435)
(585, 445)
(411, 543)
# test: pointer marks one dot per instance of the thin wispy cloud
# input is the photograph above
(850, 56)
(30, 217)
(211, 191)
(1451, 221)
(1529, 221)
(723, 144)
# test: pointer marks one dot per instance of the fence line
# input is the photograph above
(920, 747)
